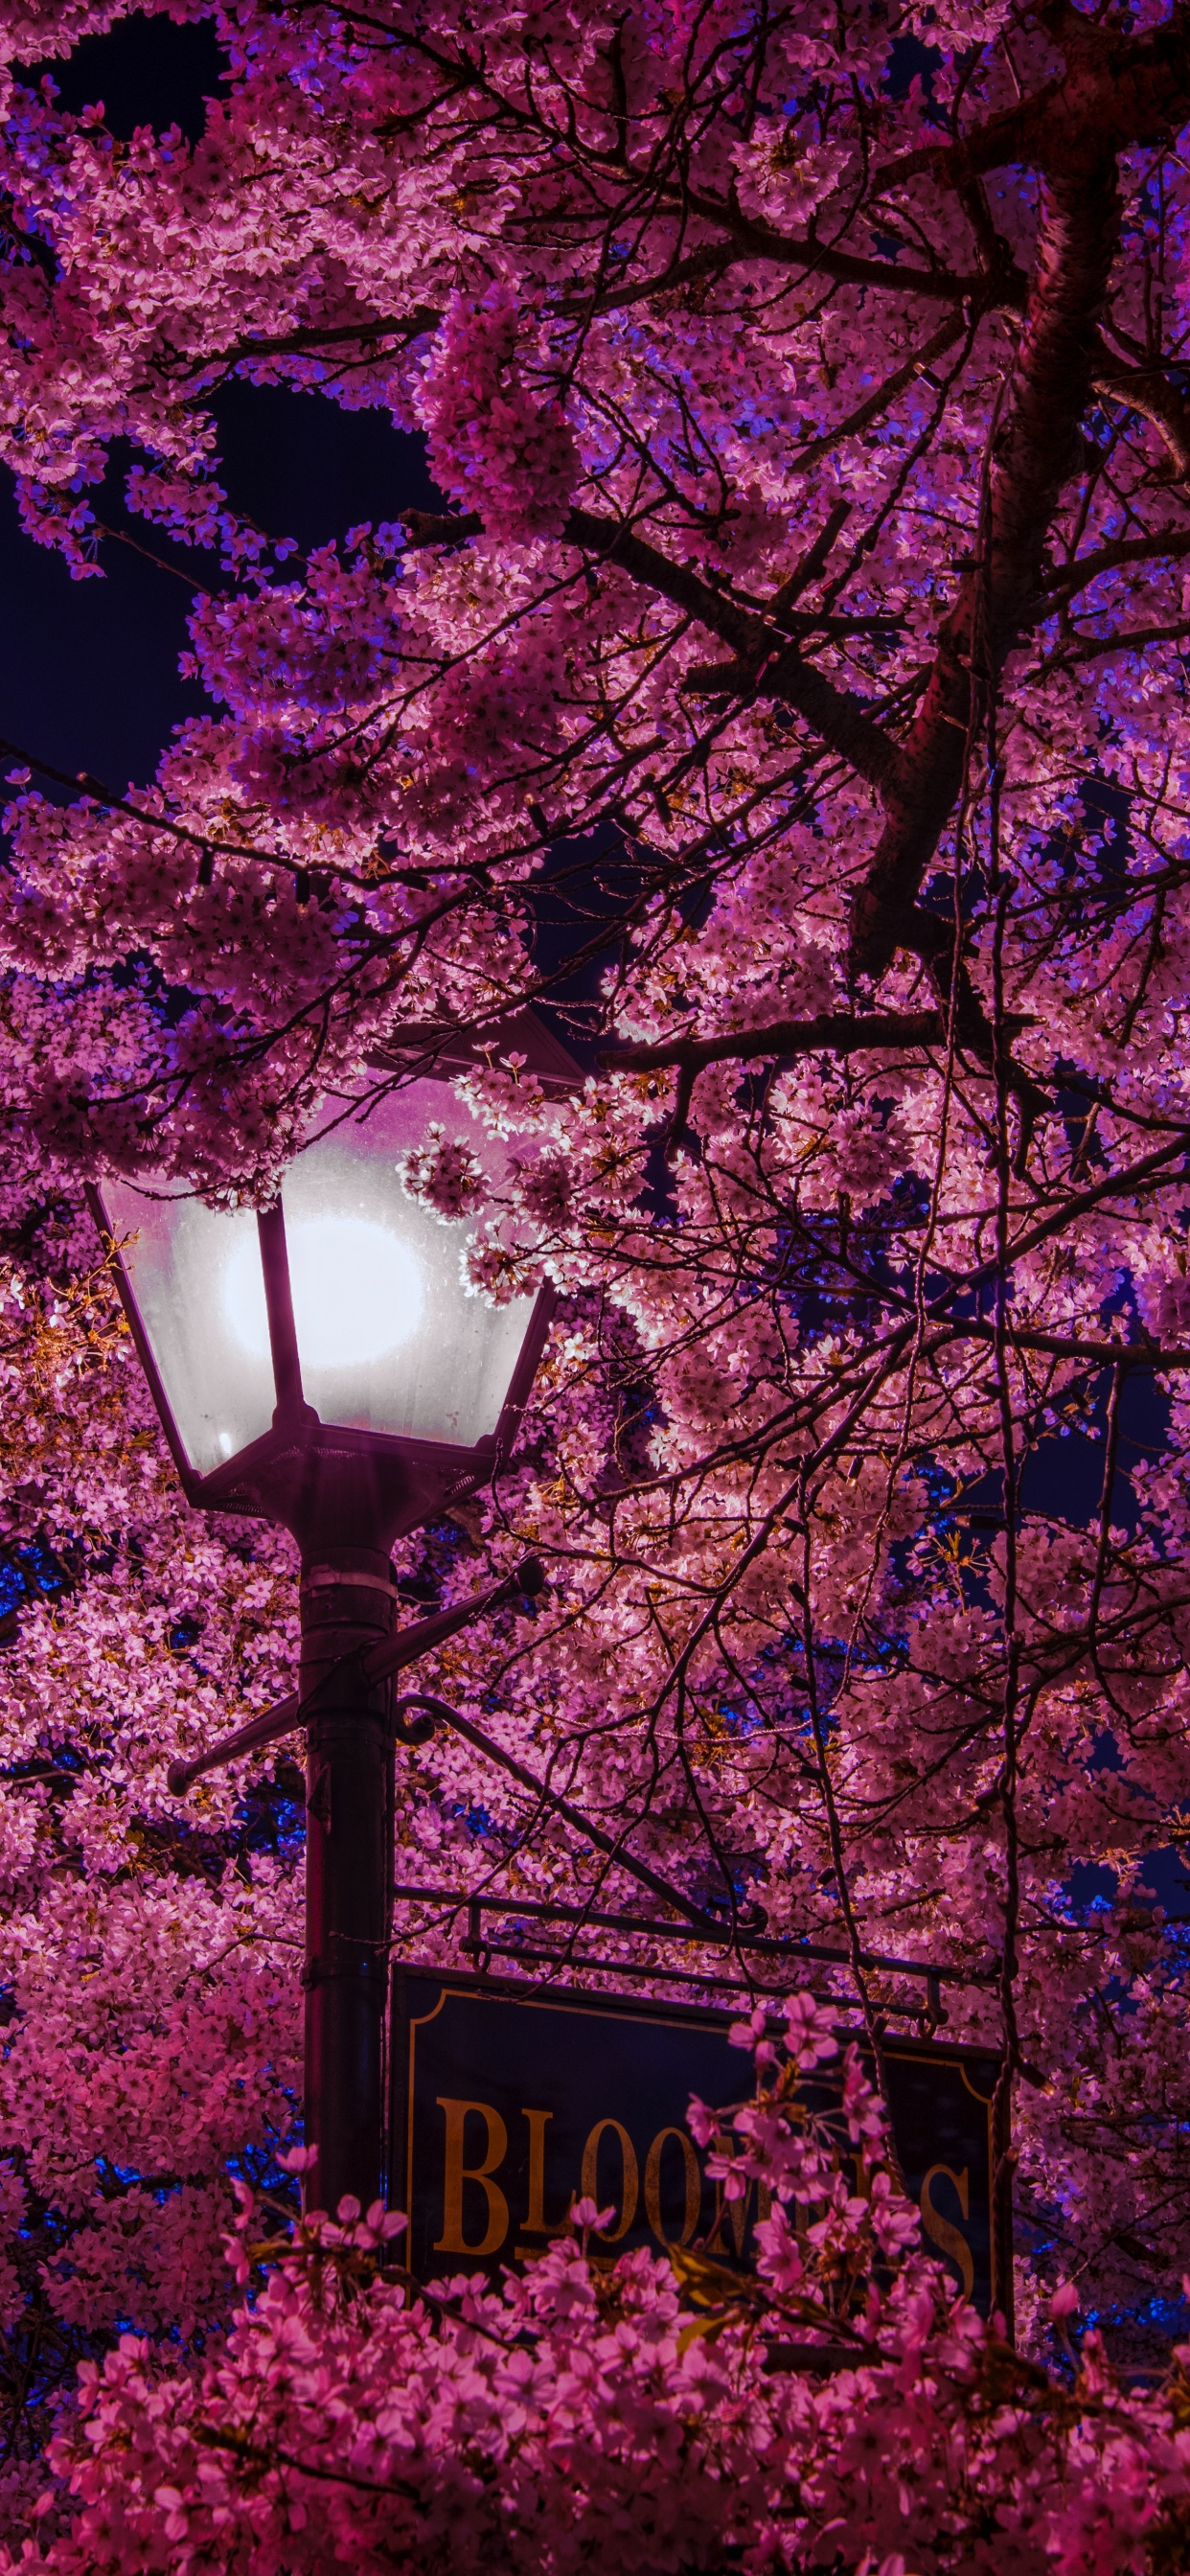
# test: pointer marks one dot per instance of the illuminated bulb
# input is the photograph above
(357, 1291)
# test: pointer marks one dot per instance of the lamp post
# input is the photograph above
(321, 1365)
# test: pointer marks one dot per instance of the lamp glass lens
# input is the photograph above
(357, 1291)
(388, 1337)
(181, 1259)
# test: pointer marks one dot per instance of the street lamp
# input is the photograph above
(321, 1364)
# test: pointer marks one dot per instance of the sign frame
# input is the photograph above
(706, 2021)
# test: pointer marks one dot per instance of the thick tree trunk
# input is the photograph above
(1036, 452)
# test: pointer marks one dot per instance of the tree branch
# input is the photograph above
(1117, 89)
(1006, 286)
(1146, 390)
(837, 716)
(1037, 451)
(836, 1032)
(833, 1032)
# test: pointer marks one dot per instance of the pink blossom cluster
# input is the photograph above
(641, 2406)
(492, 445)
(444, 1174)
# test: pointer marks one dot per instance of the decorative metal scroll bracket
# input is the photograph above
(389, 1656)
(614, 1847)
(696, 1925)
(414, 1719)
(485, 1945)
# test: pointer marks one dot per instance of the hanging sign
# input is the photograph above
(507, 2106)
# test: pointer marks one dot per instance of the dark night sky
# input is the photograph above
(89, 669)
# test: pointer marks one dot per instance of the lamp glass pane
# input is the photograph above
(182, 1261)
(388, 1337)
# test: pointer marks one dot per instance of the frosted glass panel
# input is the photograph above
(183, 1260)
(388, 1339)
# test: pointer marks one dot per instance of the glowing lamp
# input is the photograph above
(324, 1364)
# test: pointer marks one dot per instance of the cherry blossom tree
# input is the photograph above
(797, 664)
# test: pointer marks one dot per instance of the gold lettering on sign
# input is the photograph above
(942, 2232)
(590, 2176)
(536, 2222)
(737, 2212)
(452, 2239)
(653, 2186)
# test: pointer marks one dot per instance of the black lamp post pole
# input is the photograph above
(348, 1604)
(351, 1652)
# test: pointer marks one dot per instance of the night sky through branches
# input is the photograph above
(89, 669)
